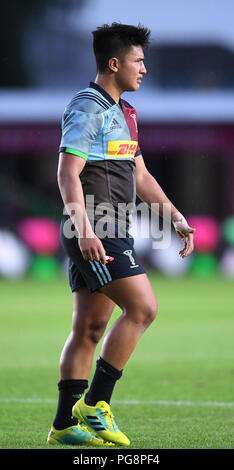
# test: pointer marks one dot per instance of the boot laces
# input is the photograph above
(108, 416)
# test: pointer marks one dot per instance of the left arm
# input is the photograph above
(149, 191)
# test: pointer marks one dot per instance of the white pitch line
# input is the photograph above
(27, 400)
(174, 403)
(127, 402)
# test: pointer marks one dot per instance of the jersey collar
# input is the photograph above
(103, 92)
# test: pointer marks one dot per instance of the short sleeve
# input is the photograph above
(138, 151)
(79, 131)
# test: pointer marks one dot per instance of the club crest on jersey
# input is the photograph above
(133, 116)
(122, 148)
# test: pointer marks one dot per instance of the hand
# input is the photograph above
(185, 232)
(92, 249)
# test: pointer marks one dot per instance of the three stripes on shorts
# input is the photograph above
(101, 271)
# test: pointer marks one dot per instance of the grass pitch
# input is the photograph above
(176, 391)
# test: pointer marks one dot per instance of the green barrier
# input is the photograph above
(204, 265)
(45, 268)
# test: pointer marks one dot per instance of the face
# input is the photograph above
(131, 70)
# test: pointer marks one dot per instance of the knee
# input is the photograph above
(144, 314)
(96, 330)
(150, 311)
(88, 330)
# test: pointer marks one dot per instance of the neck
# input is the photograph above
(106, 82)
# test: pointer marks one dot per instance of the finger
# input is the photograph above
(183, 251)
(96, 255)
(189, 246)
(89, 255)
(85, 255)
(102, 254)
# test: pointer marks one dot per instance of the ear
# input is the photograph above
(113, 64)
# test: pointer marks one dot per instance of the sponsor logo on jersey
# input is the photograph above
(122, 148)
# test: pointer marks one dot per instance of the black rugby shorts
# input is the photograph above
(94, 274)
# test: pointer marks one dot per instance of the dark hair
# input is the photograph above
(115, 40)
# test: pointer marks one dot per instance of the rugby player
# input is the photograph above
(100, 157)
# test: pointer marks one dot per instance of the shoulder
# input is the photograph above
(88, 101)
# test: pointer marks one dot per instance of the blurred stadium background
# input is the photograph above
(186, 119)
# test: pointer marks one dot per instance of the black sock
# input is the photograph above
(69, 392)
(103, 383)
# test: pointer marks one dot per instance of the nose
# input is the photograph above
(143, 68)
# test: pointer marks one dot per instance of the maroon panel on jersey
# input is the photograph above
(131, 120)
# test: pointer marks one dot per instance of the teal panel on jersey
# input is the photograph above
(97, 127)
(105, 133)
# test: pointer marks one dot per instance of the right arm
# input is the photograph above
(69, 169)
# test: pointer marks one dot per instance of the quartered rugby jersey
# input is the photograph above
(105, 134)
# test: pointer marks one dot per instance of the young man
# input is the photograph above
(100, 157)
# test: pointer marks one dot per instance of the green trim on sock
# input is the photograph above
(78, 396)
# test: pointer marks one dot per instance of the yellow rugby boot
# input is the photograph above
(74, 435)
(100, 421)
